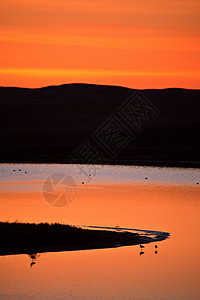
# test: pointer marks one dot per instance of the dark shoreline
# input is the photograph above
(28, 238)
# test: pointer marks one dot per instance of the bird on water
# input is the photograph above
(141, 246)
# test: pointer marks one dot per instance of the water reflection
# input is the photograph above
(168, 200)
(143, 252)
(33, 258)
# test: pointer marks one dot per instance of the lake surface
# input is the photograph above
(143, 198)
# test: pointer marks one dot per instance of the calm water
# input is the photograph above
(163, 199)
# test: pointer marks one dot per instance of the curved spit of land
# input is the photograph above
(25, 238)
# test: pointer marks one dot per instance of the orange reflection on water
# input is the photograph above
(172, 272)
(136, 205)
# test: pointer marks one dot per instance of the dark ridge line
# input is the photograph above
(99, 85)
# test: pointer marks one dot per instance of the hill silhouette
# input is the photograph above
(47, 125)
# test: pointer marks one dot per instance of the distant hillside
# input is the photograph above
(51, 123)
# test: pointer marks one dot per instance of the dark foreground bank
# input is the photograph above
(25, 238)
(85, 123)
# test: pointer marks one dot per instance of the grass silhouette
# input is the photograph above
(27, 238)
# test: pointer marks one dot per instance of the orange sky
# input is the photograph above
(138, 44)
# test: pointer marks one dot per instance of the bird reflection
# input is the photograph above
(32, 263)
(142, 249)
(33, 257)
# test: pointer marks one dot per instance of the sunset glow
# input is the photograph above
(138, 44)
